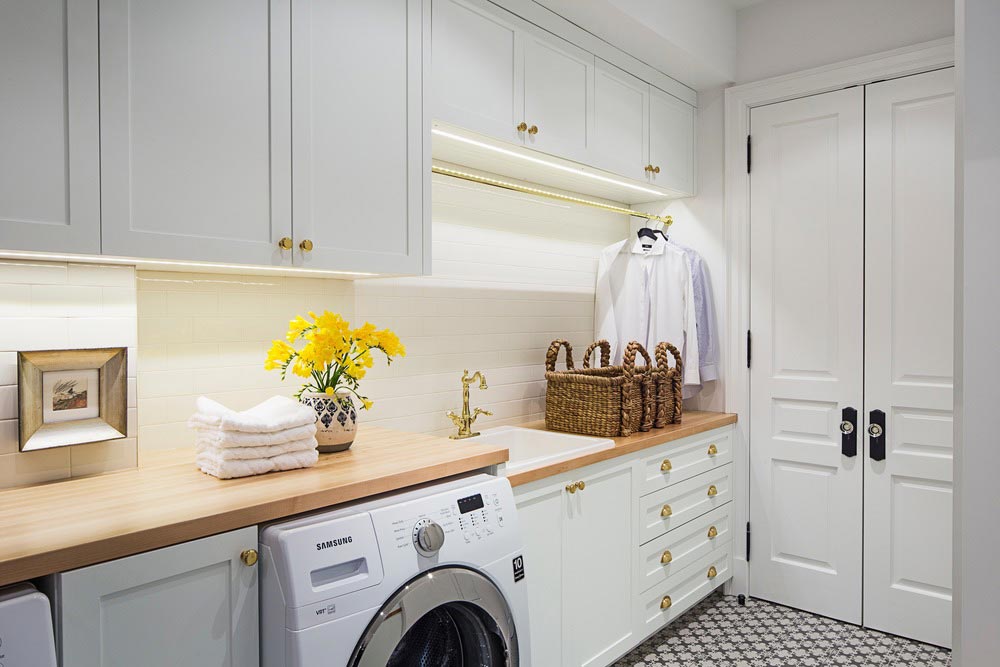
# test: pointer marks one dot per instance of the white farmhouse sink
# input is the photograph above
(532, 448)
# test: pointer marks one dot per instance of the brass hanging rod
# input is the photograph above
(475, 178)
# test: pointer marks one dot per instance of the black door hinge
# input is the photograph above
(749, 348)
(748, 541)
(748, 154)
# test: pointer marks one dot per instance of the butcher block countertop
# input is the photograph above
(693, 422)
(69, 524)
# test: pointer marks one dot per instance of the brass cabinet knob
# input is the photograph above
(712, 491)
(571, 488)
(712, 533)
(666, 602)
(712, 573)
(666, 511)
(306, 245)
(712, 450)
(576, 486)
(285, 243)
(581, 485)
(656, 169)
(249, 557)
(648, 168)
(533, 130)
(666, 466)
(521, 127)
(666, 557)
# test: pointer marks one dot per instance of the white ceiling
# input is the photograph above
(743, 4)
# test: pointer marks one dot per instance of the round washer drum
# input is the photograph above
(446, 617)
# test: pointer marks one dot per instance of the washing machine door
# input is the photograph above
(447, 617)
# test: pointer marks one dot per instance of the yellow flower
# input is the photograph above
(366, 404)
(301, 368)
(389, 343)
(296, 327)
(329, 391)
(278, 355)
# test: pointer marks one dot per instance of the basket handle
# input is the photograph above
(628, 364)
(553, 354)
(605, 353)
(661, 356)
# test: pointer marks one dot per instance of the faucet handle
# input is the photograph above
(480, 411)
(454, 418)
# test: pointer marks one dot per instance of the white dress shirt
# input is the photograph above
(645, 293)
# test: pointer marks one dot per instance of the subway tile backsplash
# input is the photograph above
(58, 305)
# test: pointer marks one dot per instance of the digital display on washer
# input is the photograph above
(470, 503)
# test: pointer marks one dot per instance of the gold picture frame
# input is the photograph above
(59, 404)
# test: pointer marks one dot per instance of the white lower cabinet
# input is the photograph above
(600, 572)
(194, 603)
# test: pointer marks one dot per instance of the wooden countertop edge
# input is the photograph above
(133, 542)
(626, 445)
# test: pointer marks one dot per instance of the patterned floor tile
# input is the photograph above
(718, 632)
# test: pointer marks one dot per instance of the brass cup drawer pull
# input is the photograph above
(249, 557)
(666, 557)
(285, 243)
(666, 511)
(712, 450)
(666, 602)
(666, 466)
(712, 573)
(712, 491)
(576, 486)
(712, 533)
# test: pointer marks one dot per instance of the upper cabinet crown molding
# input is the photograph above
(49, 134)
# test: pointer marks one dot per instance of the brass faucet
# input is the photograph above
(464, 422)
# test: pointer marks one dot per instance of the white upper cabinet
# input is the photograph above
(671, 142)
(621, 122)
(361, 180)
(558, 96)
(477, 78)
(195, 129)
(49, 135)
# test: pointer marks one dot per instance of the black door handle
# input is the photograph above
(876, 435)
(849, 432)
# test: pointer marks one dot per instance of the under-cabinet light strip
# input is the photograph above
(475, 178)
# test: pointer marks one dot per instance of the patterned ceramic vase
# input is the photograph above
(337, 420)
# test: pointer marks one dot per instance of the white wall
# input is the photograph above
(511, 273)
(784, 36)
(977, 456)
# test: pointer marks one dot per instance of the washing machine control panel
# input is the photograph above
(459, 520)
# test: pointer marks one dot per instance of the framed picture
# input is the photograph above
(71, 397)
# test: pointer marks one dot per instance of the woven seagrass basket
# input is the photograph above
(667, 386)
(608, 401)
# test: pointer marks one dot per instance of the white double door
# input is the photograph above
(852, 226)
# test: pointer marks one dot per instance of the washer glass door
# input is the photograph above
(448, 617)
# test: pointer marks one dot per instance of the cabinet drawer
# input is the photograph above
(675, 505)
(685, 459)
(665, 602)
(683, 546)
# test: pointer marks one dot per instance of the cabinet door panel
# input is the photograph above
(478, 71)
(360, 173)
(671, 142)
(597, 568)
(558, 96)
(541, 517)
(189, 604)
(49, 135)
(621, 121)
(194, 129)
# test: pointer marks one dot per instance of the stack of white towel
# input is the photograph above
(278, 434)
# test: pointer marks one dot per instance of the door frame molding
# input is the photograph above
(739, 100)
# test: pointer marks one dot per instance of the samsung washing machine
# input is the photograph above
(432, 577)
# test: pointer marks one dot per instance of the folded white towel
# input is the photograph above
(215, 437)
(212, 464)
(255, 452)
(277, 413)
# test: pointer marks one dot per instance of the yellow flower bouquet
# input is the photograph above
(333, 359)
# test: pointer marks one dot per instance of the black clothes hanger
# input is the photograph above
(646, 233)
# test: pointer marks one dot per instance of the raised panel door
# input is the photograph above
(478, 68)
(807, 271)
(598, 565)
(49, 127)
(909, 320)
(361, 180)
(671, 142)
(194, 603)
(621, 122)
(195, 147)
